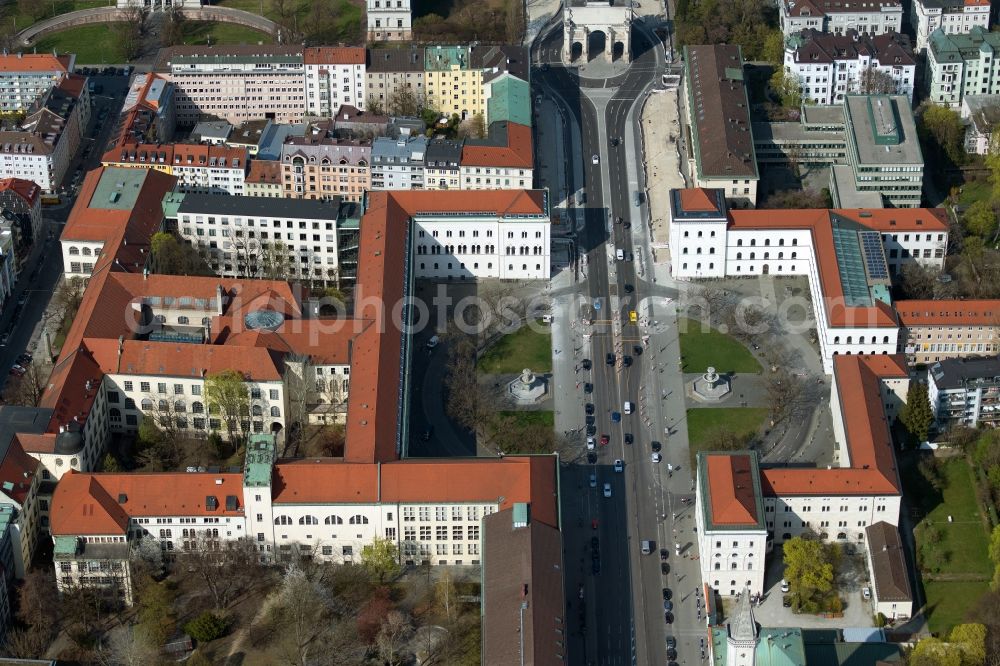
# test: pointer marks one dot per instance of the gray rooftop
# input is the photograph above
(308, 209)
(955, 373)
(404, 150)
(15, 419)
(211, 129)
(881, 130)
(845, 192)
(823, 114)
(444, 152)
(984, 111)
(396, 60)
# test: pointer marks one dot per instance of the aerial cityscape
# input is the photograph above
(509, 332)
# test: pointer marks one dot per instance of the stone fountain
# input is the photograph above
(711, 386)
(528, 388)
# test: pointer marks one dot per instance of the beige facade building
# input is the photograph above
(391, 71)
(320, 167)
(936, 330)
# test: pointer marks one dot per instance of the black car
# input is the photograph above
(591, 419)
(668, 618)
(786, 602)
(627, 225)
(671, 653)
(664, 568)
(626, 361)
(592, 458)
(594, 543)
(589, 408)
(637, 350)
(655, 445)
(628, 438)
(591, 429)
(671, 641)
(615, 141)
(587, 364)
(24, 359)
(664, 554)
(628, 289)
(668, 605)
(588, 388)
(610, 359)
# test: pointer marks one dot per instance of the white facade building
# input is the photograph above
(334, 77)
(24, 77)
(398, 164)
(389, 20)
(840, 16)
(952, 16)
(962, 64)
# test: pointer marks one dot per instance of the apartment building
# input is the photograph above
(251, 237)
(452, 85)
(443, 165)
(722, 154)
(891, 592)
(21, 207)
(741, 510)
(199, 168)
(953, 17)
(506, 90)
(148, 114)
(502, 160)
(24, 77)
(981, 114)
(334, 77)
(849, 257)
(965, 392)
(318, 166)
(960, 64)
(46, 143)
(830, 66)
(399, 164)
(264, 179)
(389, 20)
(840, 16)
(938, 330)
(394, 72)
(235, 83)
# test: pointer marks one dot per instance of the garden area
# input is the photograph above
(317, 21)
(527, 347)
(723, 428)
(702, 347)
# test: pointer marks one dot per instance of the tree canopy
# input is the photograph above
(916, 414)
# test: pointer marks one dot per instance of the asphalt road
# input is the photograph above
(618, 627)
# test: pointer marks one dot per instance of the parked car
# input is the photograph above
(784, 586)
(24, 359)
(866, 592)
(588, 388)
(637, 350)
(609, 359)
(655, 457)
(589, 408)
(17, 370)
(655, 445)
(620, 467)
(629, 438)
(587, 364)
(607, 490)
(667, 594)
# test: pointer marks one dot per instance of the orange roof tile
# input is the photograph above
(26, 189)
(516, 154)
(948, 312)
(17, 468)
(73, 84)
(872, 468)
(334, 55)
(34, 62)
(178, 359)
(697, 199)
(324, 481)
(86, 504)
(730, 478)
(176, 155)
(266, 172)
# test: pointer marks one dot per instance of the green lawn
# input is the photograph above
(524, 348)
(704, 423)
(537, 417)
(701, 349)
(973, 191)
(948, 602)
(342, 19)
(10, 13)
(98, 44)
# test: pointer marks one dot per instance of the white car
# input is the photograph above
(866, 593)
(656, 457)
(607, 490)
(595, 159)
(593, 480)
(784, 587)
(619, 466)
(591, 444)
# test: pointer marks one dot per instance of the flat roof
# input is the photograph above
(844, 188)
(309, 209)
(881, 130)
(118, 189)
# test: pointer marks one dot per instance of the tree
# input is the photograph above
(933, 651)
(69, 295)
(130, 28)
(380, 558)
(980, 219)
(874, 81)
(172, 30)
(374, 105)
(809, 570)
(36, 9)
(146, 559)
(917, 281)
(156, 614)
(971, 640)
(446, 595)
(916, 414)
(302, 614)
(373, 613)
(27, 389)
(788, 89)
(171, 256)
(994, 550)
(206, 627)
(110, 463)
(227, 395)
(773, 48)
(228, 568)
(403, 101)
(942, 130)
(128, 647)
(783, 391)
(392, 636)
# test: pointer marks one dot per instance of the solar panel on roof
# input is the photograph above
(874, 256)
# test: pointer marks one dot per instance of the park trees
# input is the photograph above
(916, 415)
(380, 558)
(943, 133)
(810, 569)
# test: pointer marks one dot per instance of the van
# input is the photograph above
(581, 198)
(647, 547)
(628, 407)
(637, 199)
(620, 254)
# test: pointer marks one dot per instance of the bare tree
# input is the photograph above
(784, 390)
(128, 647)
(874, 81)
(302, 615)
(392, 636)
(130, 27)
(172, 30)
(228, 568)
(27, 389)
(446, 595)
(404, 101)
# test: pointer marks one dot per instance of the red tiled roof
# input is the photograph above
(178, 359)
(86, 504)
(516, 154)
(264, 171)
(26, 189)
(334, 55)
(73, 84)
(34, 62)
(950, 312)
(872, 468)
(697, 199)
(17, 468)
(730, 478)
(177, 155)
(34, 443)
(324, 481)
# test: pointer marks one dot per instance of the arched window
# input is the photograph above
(183, 320)
(885, 340)
(197, 408)
(73, 250)
(333, 520)
(739, 243)
(147, 404)
(276, 411)
(850, 339)
(358, 520)
(836, 340)
(257, 410)
(739, 255)
(179, 406)
(163, 405)
(282, 520)
(308, 520)
(86, 251)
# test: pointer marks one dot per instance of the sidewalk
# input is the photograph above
(660, 129)
(569, 348)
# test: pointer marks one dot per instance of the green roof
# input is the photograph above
(171, 202)
(118, 188)
(64, 545)
(444, 58)
(850, 263)
(781, 647)
(261, 452)
(510, 99)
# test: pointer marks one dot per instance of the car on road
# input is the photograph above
(593, 480)
(592, 458)
(4, 339)
(615, 141)
(629, 438)
(607, 490)
(627, 224)
(24, 359)
(668, 618)
(866, 593)
(668, 605)
(655, 457)
(433, 342)
(655, 445)
(23, 298)
(609, 359)
(618, 219)
(637, 350)
(594, 159)
(671, 653)
(628, 407)
(671, 641)
(605, 440)
(784, 586)
(616, 417)
(587, 364)
(591, 445)
(664, 568)
(667, 594)
(620, 467)
(628, 288)
(591, 419)
(595, 566)
(589, 408)
(588, 388)
(595, 543)
(664, 554)
(627, 361)
(17, 370)
(633, 316)
(591, 430)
